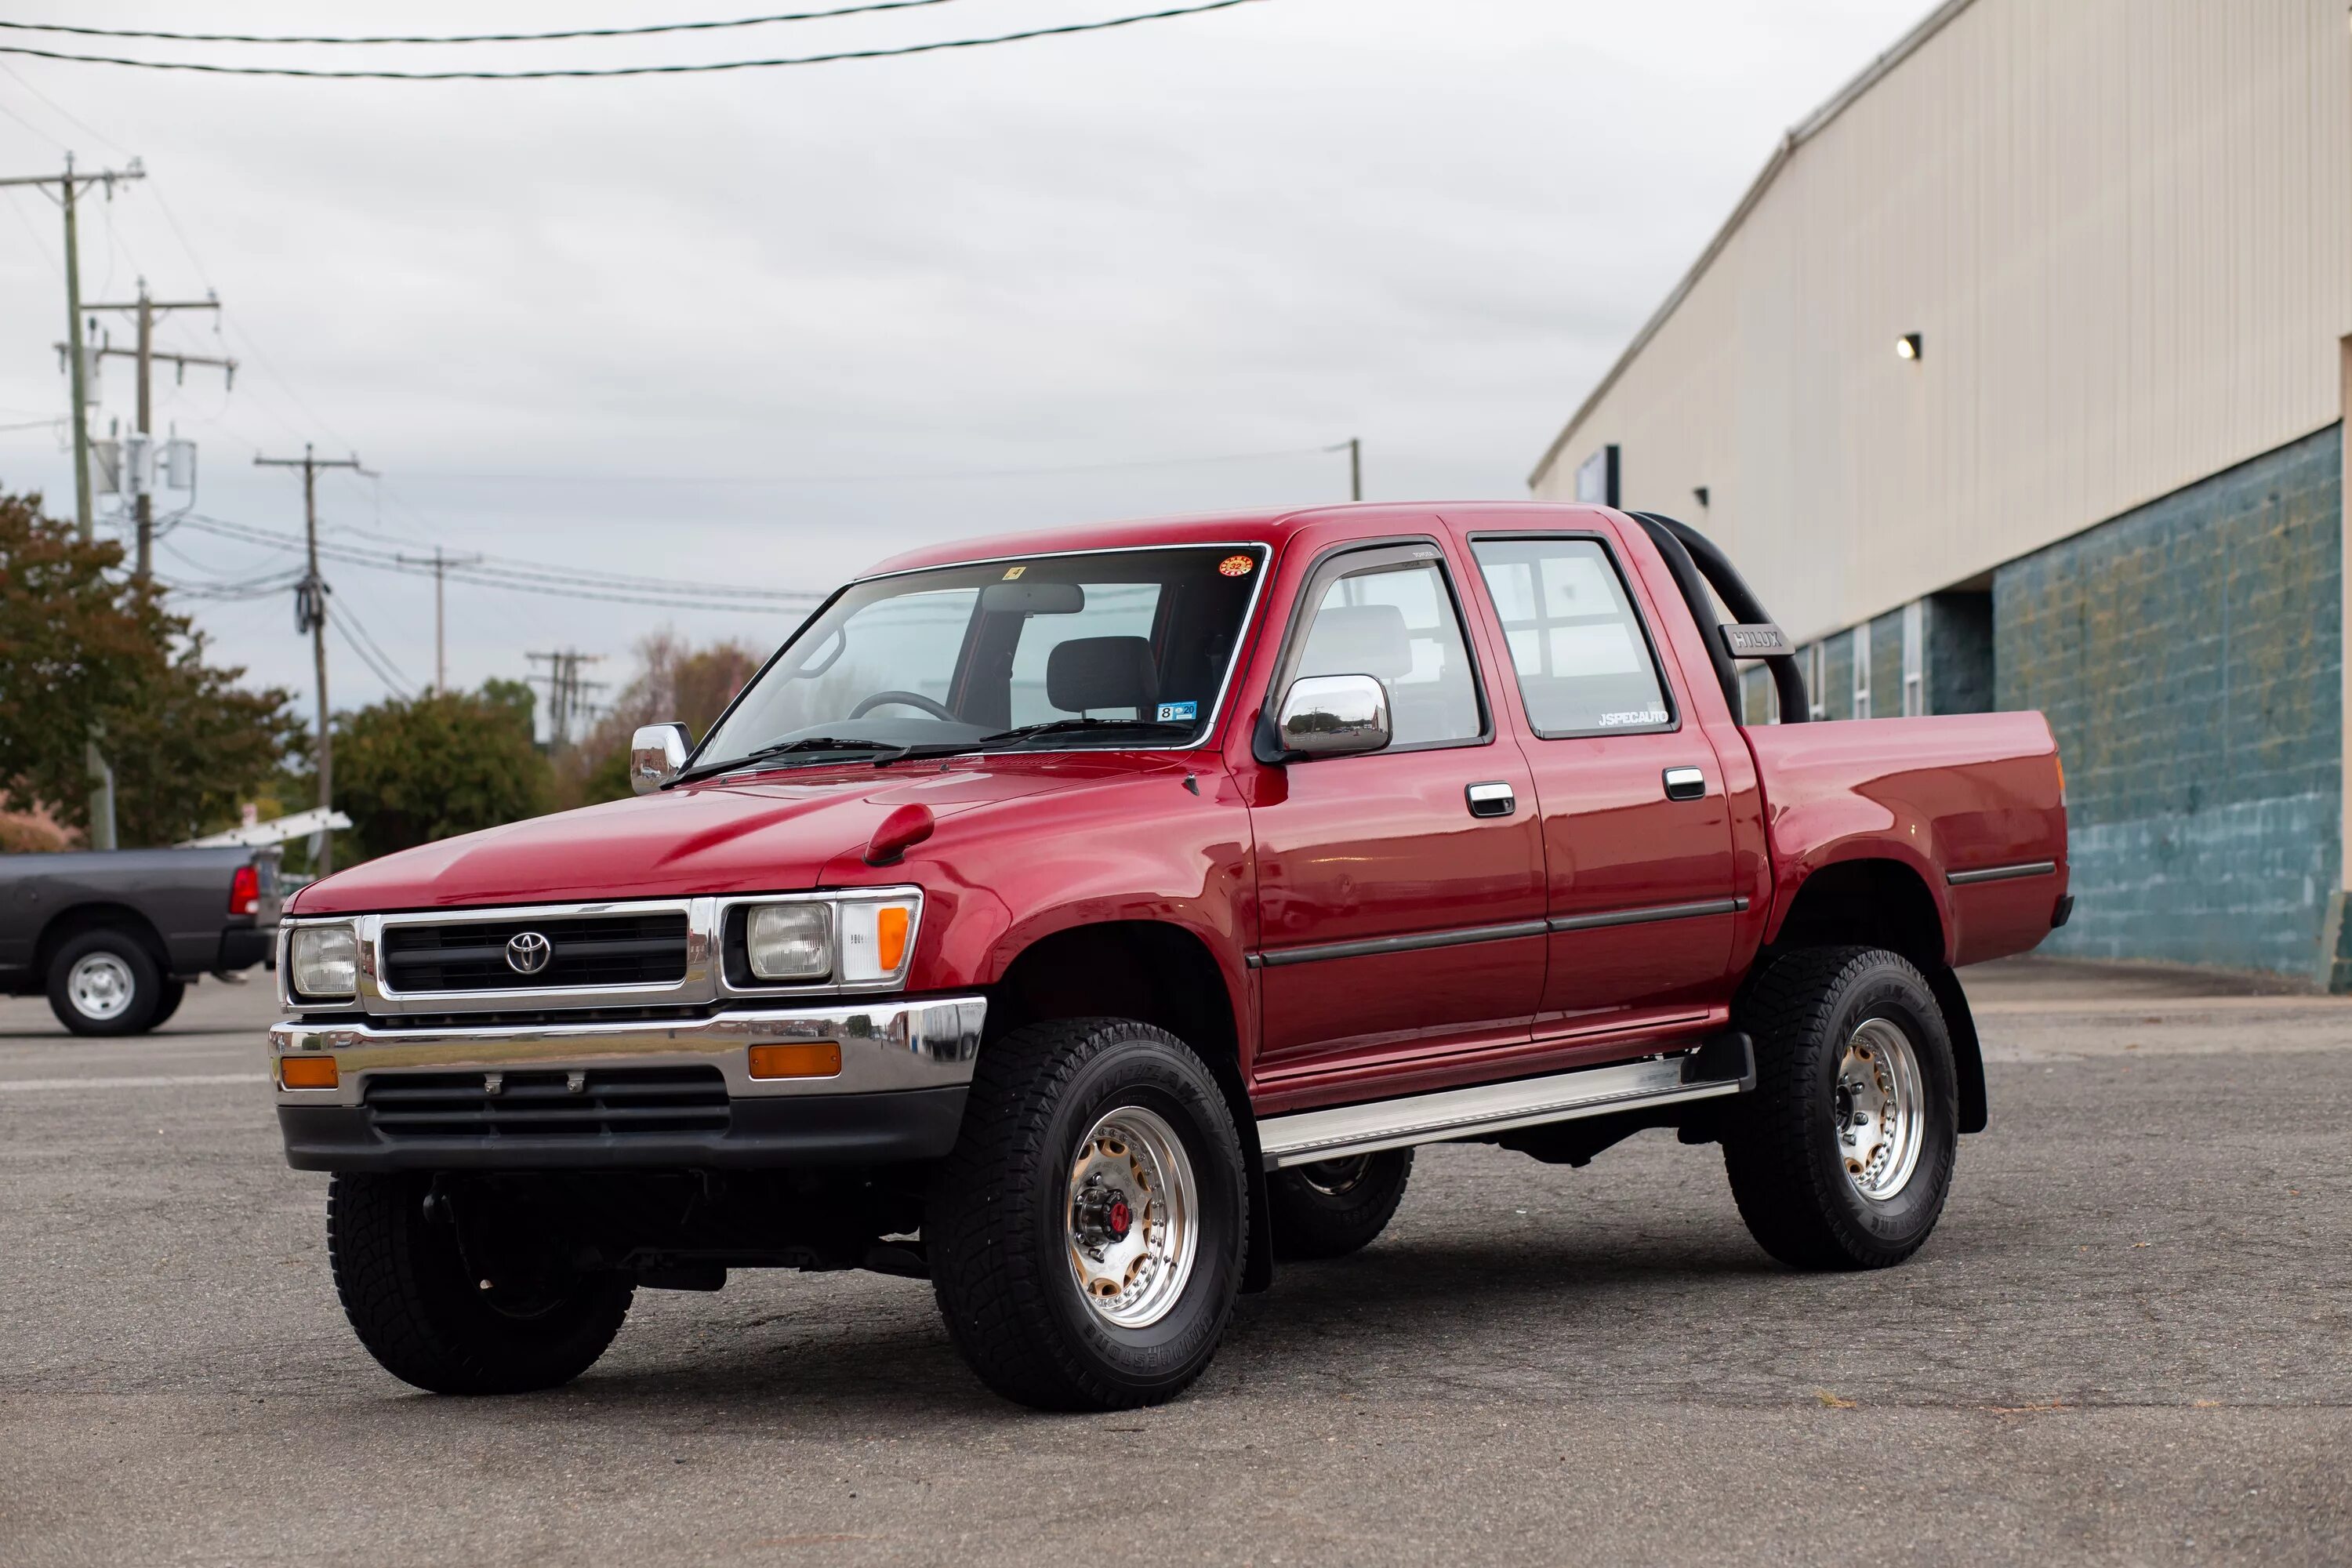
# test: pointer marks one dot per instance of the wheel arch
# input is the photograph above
(70, 922)
(1157, 972)
(1877, 902)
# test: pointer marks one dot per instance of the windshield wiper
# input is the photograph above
(761, 754)
(1004, 740)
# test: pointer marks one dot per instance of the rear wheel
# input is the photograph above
(105, 982)
(1086, 1235)
(1843, 1156)
(174, 992)
(510, 1322)
(1333, 1207)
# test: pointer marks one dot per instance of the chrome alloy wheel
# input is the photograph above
(1134, 1218)
(1880, 1103)
(1336, 1178)
(102, 987)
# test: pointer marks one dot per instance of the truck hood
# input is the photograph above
(761, 834)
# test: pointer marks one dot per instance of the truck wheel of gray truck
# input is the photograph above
(507, 1324)
(1334, 1208)
(1086, 1236)
(105, 982)
(1843, 1156)
(167, 1002)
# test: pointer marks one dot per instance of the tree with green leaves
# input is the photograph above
(82, 648)
(408, 773)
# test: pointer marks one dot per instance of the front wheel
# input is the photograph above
(1088, 1232)
(516, 1319)
(1843, 1156)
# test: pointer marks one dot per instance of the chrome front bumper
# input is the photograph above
(886, 1046)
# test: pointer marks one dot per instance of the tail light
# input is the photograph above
(245, 892)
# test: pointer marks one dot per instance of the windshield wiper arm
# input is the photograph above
(1064, 726)
(1006, 739)
(761, 754)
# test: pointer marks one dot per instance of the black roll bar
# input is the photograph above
(1696, 565)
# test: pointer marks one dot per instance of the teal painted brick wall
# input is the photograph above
(1886, 667)
(1836, 696)
(1959, 653)
(2188, 654)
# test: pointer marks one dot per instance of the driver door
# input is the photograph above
(1397, 923)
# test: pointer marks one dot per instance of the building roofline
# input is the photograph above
(1796, 136)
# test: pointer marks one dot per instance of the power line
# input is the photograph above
(382, 661)
(480, 567)
(527, 580)
(474, 37)
(940, 475)
(397, 688)
(576, 73)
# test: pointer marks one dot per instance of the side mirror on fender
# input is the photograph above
(656, 754)
(1333, 716)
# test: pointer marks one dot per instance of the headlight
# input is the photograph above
(791, 941)
(857, 940)
(325, 961)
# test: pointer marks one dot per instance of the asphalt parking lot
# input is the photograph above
(2130, 1340)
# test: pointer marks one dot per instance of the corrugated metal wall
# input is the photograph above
(2124, 231)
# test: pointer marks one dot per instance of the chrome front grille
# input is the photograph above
(611, 1102)
(591, 951)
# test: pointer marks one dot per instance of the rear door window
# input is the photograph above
(1583, 659)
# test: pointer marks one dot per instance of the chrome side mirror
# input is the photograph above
(1334, 716)
(657, 753)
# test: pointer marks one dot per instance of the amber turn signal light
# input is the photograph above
(822, 1059)
(890, 936)
(306, 1072)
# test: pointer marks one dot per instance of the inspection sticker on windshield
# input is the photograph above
(1236, 566)
(1179, 713)
(1011, 573)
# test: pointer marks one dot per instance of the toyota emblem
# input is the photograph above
(527, 952)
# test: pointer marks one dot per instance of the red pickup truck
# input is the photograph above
(1083, 920)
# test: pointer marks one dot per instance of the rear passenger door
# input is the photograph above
(1637, 833)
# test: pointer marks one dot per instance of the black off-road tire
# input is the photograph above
(1780, 1147)
(420, 1312)
(998, 1226)
(174, 992)
(1335, 1206)
(140, 973)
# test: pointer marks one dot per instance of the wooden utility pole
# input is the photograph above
(310, 615)
(440, 563)
(1354, 447)
(147, 311)
(68, 184)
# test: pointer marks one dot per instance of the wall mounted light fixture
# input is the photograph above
(1907, 347)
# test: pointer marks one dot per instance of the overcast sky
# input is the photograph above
(765, 328)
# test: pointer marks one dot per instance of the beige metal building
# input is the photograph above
(2019, 378)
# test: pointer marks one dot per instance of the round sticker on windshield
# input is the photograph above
(1236, 566)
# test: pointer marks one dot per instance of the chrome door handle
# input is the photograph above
(1685, 783)
(1491, 799)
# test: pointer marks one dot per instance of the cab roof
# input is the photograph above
(1260, 527)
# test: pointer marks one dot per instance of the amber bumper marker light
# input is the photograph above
(306, 1072)
(822, 1059)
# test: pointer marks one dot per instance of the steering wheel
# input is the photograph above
(911, 698)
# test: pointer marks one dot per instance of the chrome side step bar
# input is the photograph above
(1725, 1064)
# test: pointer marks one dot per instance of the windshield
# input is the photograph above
(1122, 648)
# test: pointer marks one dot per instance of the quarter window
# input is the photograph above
(1584, 666)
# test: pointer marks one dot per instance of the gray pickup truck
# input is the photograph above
(114, 937)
